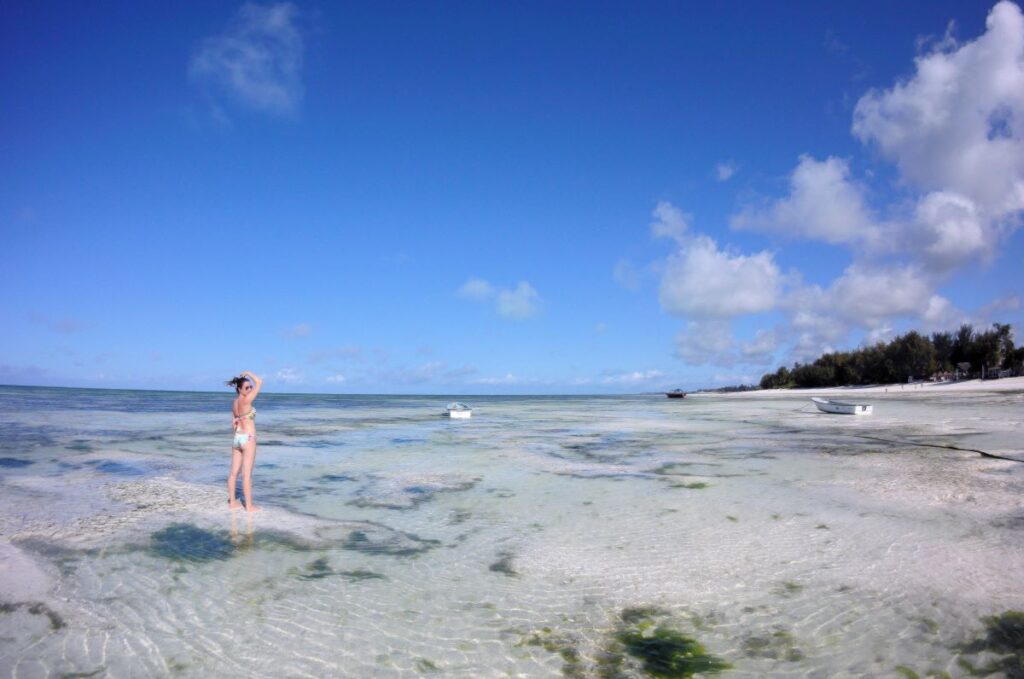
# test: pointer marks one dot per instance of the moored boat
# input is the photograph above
(459, 411)
(676, 393)
(840, 408)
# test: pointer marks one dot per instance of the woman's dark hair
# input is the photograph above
(237, 382)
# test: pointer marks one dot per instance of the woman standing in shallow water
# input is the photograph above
(243, 449)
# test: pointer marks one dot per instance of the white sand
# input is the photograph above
(922, 388)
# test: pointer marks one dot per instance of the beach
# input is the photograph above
(543, 537)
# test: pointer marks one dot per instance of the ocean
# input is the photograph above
(571, 536)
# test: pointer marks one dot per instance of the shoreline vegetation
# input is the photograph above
(909, 360)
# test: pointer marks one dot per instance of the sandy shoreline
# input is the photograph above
(915, 389)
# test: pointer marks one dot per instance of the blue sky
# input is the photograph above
(499, 198)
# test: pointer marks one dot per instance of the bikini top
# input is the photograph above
(250, 415)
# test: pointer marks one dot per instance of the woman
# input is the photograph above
(243, 449)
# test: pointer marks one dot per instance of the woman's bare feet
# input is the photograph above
(253, 508)
(234, 504)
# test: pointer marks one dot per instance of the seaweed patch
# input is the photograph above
(661, 650)
(35, 608)
(391, 544)
(779, 645)
(1004, 636)
(504, 565)
(186, 542)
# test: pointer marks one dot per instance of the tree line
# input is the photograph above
(965, 352)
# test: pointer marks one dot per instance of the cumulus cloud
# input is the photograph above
(289, 376)
(823, 204)
(725, 171)
(335, 379)
(958, 124)
(707, 341)
(257, 59)
(517, 303)
(669, 222)
(955, 130)
(702, 281)
(475, 289)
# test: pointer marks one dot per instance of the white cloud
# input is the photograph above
(725, 171)
(823, 204)
(669, 221)
(957, 127)
(289, 376)
(626, 275)
(708, 341)
(519, 303)
(634, 378)
(702, 281)
(475, 289)
(870, 296)
(507, 378)
(760, 350)
(257, 59)
(335, 379)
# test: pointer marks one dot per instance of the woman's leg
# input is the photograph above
(248, 461)
(236, 466)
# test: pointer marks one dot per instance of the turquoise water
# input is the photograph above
(529, 540)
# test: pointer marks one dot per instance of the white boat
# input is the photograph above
(459, 411)
(840, 408)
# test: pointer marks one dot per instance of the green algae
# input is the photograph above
(696, 485)
(822, 526)
(788, 588)
(1004, 636)
(186, 542)
(643, 641)
(504, 565)
(779, 645)
(908, 673)
(561, 644)
(664, 652)
(36, 608)
(318, 569)
(642, 636)
(393, 544)
(424, 666)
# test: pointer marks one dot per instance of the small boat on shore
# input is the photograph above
(459, 411)
(676, 393)
(841, 408)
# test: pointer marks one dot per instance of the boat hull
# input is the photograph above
(460, 414)
(840, 408)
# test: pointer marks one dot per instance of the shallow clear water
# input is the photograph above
(396, 542)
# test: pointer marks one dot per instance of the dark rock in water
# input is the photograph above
(1004, 636)
(120, 468)
(35, 608)
(504, 565)
(14, 462)
(185, 542)
(392, 543)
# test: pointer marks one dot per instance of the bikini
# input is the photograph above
(241, 438)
